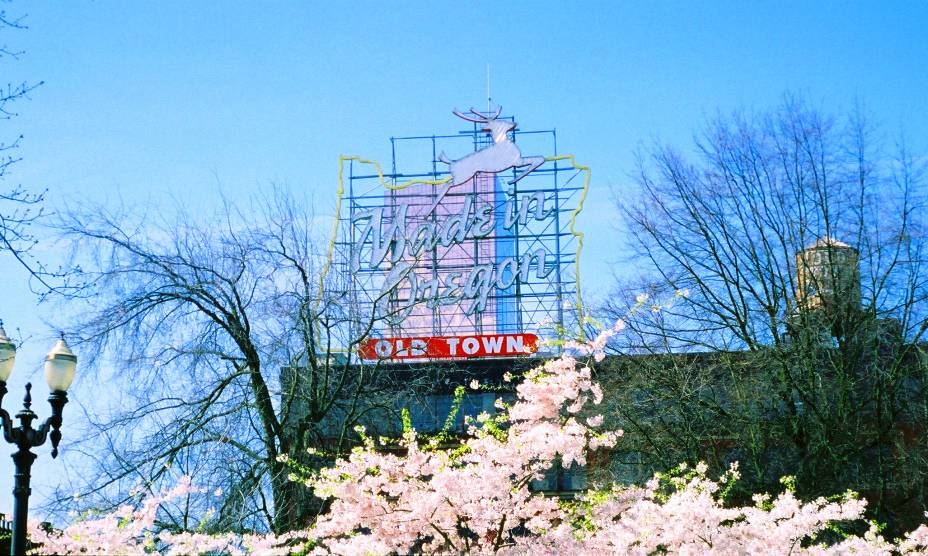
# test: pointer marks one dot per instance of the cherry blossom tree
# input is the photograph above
(474, 498)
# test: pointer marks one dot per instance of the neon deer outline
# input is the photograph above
(502, 155)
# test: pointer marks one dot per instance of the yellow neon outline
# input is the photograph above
(573, 228)
(341, 192)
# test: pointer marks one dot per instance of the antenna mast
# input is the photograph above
(488, 88)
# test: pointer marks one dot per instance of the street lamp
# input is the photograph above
(59, 372)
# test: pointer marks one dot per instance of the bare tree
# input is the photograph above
(222, 357)
(19, 209)
(792, 247)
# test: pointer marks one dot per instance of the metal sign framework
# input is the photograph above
(514, 272)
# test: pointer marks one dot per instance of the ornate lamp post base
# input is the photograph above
(25, 438)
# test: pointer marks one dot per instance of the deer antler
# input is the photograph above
(482, 118)
(499, 110)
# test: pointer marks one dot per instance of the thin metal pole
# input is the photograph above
(488, 88)
(23, 459)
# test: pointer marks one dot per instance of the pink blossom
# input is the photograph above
(468, 500)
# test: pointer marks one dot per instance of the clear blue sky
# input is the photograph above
(151, 100)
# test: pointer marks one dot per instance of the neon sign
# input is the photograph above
(483, 247)
(450, 347)
(406, 247)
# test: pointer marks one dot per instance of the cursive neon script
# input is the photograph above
(402, 247)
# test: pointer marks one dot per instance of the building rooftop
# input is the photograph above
(829, 242)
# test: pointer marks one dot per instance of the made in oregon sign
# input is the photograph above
(478, 243)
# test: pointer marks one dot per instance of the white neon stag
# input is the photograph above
(502, 155)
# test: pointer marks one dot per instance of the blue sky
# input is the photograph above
(148, 101)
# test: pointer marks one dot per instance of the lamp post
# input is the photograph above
(60, 364)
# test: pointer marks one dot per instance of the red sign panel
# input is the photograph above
(449, 347)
